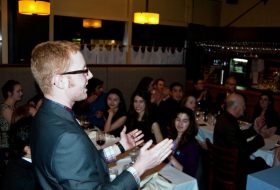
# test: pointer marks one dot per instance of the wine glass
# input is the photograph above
(133, 154)
(84, 122)
(100, 138)
(113, 173)
(205, 116)
(197, 114)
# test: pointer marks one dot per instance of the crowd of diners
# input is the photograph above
(157, 110)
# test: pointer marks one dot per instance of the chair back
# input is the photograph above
(223, 167)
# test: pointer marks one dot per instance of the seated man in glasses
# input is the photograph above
(229, 88)
(62, 154)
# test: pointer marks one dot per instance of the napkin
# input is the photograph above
(155, 182)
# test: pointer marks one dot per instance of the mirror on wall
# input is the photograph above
(73, 29)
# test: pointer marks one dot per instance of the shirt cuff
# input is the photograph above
(110, 154)
(134, 173)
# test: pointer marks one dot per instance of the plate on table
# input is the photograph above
(244, 125)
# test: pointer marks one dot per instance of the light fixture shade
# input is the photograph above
(43, 8)
(86, 23)
(30, 7)
(146, 18)
(27, 7)
(91, 23)
(96, 24)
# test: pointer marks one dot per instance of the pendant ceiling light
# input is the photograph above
(30, 7)
(146, 17)
(92, 23)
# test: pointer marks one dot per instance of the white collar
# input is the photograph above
(27, 159)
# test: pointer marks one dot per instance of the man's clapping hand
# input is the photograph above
(151, 156)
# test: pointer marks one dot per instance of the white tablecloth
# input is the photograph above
(206, 131)
(267, 152)
(153, 179)
(180, 180)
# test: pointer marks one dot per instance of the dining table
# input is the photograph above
(267, 152)
(161, 177)
(266, 179)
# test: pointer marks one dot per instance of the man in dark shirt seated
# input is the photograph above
(227, 133)
(202, 95)
(20, 173)
(168, 107)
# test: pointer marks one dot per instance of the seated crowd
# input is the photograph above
(155, 109)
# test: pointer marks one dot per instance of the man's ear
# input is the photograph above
(65, 82)
(61, 82)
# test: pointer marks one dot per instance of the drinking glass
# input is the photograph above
(113, 173)
(197, 114)
(133, 154)
(100, 138)
(205, 116)
(84, 122)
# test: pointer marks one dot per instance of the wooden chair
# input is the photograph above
(223, 167)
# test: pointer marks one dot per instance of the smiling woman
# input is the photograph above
(140, 116)
(115, 112)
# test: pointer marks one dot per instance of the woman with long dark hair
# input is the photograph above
(115, 116)
(265, 109)
(140, 117)
(186, 155)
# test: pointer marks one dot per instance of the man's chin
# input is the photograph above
(83, 97)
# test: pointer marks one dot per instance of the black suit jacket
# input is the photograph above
(65, 158)
(20, 175)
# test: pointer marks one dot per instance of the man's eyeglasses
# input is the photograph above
(84, 71)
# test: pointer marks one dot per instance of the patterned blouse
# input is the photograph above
(4, 126)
